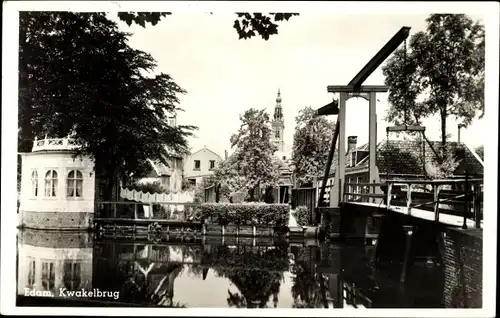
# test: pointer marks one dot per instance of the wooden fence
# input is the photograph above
(147, 197)
(306, 197)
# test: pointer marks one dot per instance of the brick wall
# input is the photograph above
(56, 220)
(463, 268)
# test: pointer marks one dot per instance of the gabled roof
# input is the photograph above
(205, 148)
(407, 157)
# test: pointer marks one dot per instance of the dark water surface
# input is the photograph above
(56, 267)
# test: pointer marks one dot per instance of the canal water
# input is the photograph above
(211, 272)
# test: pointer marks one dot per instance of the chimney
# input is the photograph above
(351, 142)
(225, 154)
(460, 126)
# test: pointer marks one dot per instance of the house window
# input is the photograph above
(353, 159)
(51, 183)
(360, 189)
(212, 164)
(197, 164)
(284, 157)
(34, 183)
(31, 273)
(351, 188)
(277, 134)
(75, 184)
(71, 276)
(48, 276)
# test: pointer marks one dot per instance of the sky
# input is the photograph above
(225, 76)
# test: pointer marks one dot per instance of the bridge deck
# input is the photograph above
(451, 220)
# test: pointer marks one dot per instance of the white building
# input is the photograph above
(57, 191)
(52, 260)
(200, 164)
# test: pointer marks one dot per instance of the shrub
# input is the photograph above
(302, 215)
(247, 213)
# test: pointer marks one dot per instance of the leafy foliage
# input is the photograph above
(311, 144)
(247, 25)
(141, 18)
(78, 75)
(302, 215)
(253, 165)
(442, 73)
(256, 273)
(247, 213)
(443, 169)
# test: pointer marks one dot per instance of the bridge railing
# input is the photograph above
(464, 201)
(362, 192)
(459, 197)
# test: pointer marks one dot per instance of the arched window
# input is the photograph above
(34, 183)
(75, 184)
(51, 183)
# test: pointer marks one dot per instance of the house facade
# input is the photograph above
(57, 190)
(200, 164)
(54, 260)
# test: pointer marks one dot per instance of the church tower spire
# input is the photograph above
(278, 125)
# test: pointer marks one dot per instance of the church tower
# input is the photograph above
(278, 125)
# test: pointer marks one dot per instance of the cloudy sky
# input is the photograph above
(225, 76)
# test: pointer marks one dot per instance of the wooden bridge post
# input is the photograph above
(374, 200)
(389, 194)
(409, 233)
(477, 207)
(435, 190)
(372, 137)
(408, 199)
(466, 201)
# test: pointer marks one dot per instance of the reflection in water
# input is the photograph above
(212, 275)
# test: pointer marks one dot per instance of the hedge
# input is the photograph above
(302, 215)
(247, 213)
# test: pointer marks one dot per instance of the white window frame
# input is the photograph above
(76, 179)
(53, 183)
(35, 185)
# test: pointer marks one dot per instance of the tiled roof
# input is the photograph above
(407, 157)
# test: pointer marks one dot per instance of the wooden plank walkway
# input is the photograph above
(451, 220)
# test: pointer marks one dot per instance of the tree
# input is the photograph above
(79, 76)
(226, 179)
(441, 73)
(246, 24)
(253, 159)
(311, 144)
